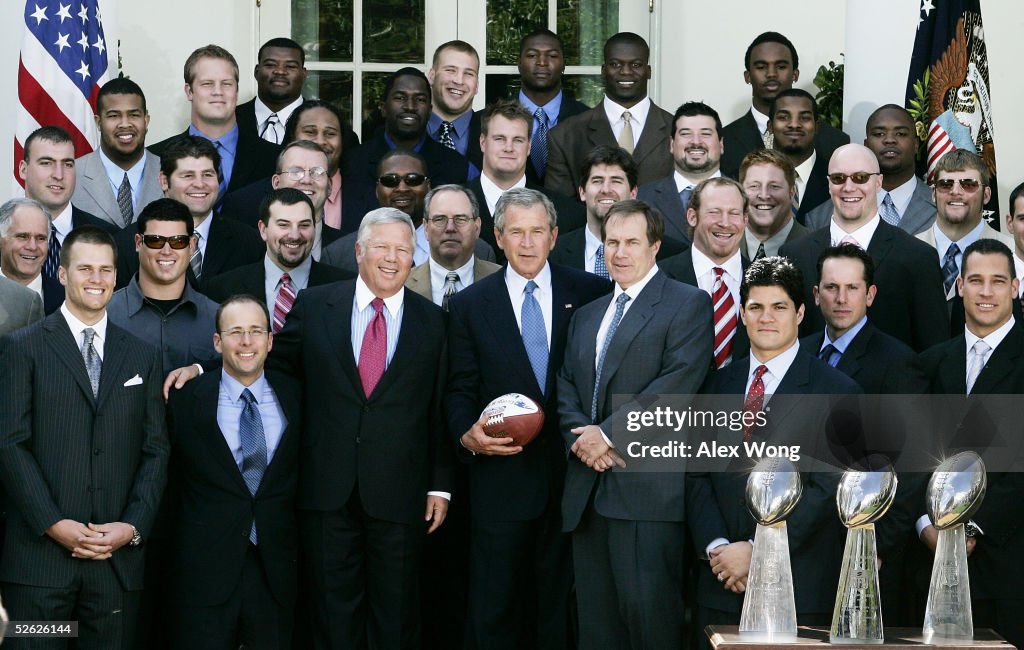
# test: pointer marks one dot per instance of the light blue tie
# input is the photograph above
(684, 197)
(620, 308)
(254, 448)
(889, 213)
(535, 336)
(600, 266)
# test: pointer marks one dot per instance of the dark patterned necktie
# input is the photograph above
(539, 149)
(445, 135)
(91, 357)
(254, 448)
(124, 200)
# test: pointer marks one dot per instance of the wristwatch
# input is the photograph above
(971, 529)
(136, 537)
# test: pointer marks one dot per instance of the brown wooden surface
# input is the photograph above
(726, 637)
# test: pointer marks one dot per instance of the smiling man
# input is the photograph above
(454, 76)
(280, 72)
(794, 123)
(24, 233)
(626, 117)
(305, 166)
(769, 180)
(120, 178)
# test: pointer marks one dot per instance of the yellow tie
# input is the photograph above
(626, 137)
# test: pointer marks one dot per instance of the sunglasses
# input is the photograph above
(156, 242)
(393, 180)
(968, 185)
(857, 177)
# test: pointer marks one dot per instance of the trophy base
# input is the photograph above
(839, 640)
(769, 610)
(767, 637)
(857, 617)
(947, 619)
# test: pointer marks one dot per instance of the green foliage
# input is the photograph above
(918, 110)
(829, 81)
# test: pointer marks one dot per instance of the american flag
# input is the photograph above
(64, 61)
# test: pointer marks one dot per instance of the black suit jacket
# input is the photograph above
(53, 290)
(230, 246)
(663, 196)
(255, 158)
(250, 279)
(816, 189)
(488, 360)
(214, 506)
(876, 361)
(392, 444)
(67, 455)
(742, 136)
(245, 115)
(910, 304)
(716, 503)
(571, 249)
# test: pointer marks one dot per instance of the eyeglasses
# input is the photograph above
(156, 242)
(393, 180)
(237, 334)
(968, 185)
(857, 177)
(441, 221)
(298, 173)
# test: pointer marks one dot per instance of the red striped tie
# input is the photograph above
(725, 319)
(754, 402)
(283, 304)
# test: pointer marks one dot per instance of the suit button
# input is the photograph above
(358, 440)
(366, 409)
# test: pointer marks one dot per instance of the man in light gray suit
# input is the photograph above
(120, 178)
(655, 337)
(19, 306)
(905, 200)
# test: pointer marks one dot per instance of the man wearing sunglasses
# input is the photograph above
(909, 304)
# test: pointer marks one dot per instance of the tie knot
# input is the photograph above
(953, 250)
(622, 299)
(980, 347)
(453, 277)
(850, 240)
(377, 304)
(718, 272)
(273, 119)
(626, 116)
(759, 371)
(540, 115)
(531, 286)
(285, 279)
(89, 333)
(248, 397)
(888, 199)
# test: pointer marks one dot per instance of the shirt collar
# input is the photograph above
(900, 195)
(634, 290)
(682, 182)
(229, 140)
(234, 387)
(779, 366)
(63, 222)
(203, 229)
(844, 341)
(551, 109)
(76, 326)
(364, 297)
(772, 244)
(492, 192)
(460, 124)
(804, 169)
(517, 283)
(135, 298)
(299, 275)
(942, 242)
(703, 264)
(391, 143)
(591, 242)
(637, 112)
(993, 339)
(263, 111)
(439, 274)
(116, 174)
(863, 234)
(760, 119)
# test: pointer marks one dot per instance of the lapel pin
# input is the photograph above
(568, 306)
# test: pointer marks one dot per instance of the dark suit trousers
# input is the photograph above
(251, 618)
(629, 582)
(105, 612)
(363, 573)
(1003, 616)
(520, 578)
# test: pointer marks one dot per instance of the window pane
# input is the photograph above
(373, 95)
(393, 31)
(507, 22)
(584, 26)
(333, 87)
(589, 89)
(323, 28)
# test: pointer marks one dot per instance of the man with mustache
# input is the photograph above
(794, 124)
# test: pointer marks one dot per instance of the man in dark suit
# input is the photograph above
(652, 337)
(286, 226)
(794, 122)
(769, 180)
(83, 480)
(454, 77)
(280, 72)
(987, 359)
(505, 143)
(519, 600)
(696, 146)
(235, 452)
(776, 372)
(609, 175)
(771, 65)
(905, 200)
(211, 87)
(371, 348)
(48, 171)
(541, 66)
(718, 216)
(640, 127)
(910, 305)
(189, 174)
(121, 177)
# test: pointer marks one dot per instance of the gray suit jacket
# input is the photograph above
(419, 277)
(94, 194)
(663, 346)
(19, 306)
(342, 253)
(663, 196)
(919, 215)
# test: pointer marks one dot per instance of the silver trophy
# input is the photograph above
(862, 499)
(955, 492)
(769, 610)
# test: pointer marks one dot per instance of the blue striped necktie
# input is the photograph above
(254, 448)
(535, 336)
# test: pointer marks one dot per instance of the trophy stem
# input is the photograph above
(857, 617)
(769, 609)
(947, 618)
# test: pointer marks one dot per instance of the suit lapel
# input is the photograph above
(882, 242)
(849, 362)
(654, 135)
(505, 328)
(921, 210)
(794, 382)
(408, 335)
(114, 349)
(68, 351)
(1005, 360)
(951, 374)
(338, 318)
(419, 281)
(95, 184)
(217, 246)
(290, 405)
(208, 429)
(562, 308)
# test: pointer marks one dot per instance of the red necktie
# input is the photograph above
(373, 354)
(754, 402)
(284, 302)
(725, 319)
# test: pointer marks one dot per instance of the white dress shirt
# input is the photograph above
(77, 328)
(637, 117)
(862, 235)
(516, 285)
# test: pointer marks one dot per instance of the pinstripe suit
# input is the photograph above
(67, 455)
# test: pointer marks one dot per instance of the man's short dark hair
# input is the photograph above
(510, 109)
(771, 37)
(540, 31)
(239, 298)
(627, 38)
(693, 109)
(609, 155)
(285, 43)
(458, 46)
(716, 181)
(119, 86)
(1016, 194)
(851, 252)
(887, 107)
(986, 246)
(53, 134)
(284, 196)
(189, 146)
(961, 160)
(407, 71)
(87, 234)
(165, 210)
(307, 105)
(793, 92)
(308, 145)
(774, 272)
(655, 222)
(399, 152)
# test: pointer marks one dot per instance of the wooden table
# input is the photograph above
(726, 637)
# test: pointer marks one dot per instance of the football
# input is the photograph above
(513, 415)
